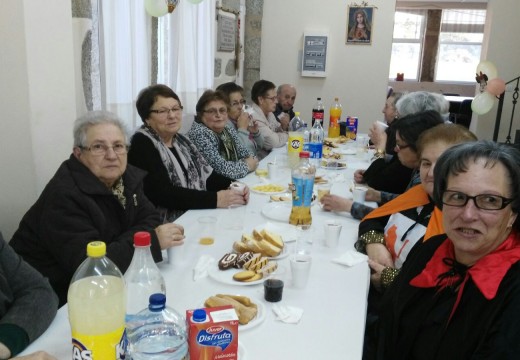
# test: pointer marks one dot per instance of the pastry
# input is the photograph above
(245, 309)
(242, 259)
(227, 261)
(244, 275)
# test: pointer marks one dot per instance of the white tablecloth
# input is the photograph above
(334, 300)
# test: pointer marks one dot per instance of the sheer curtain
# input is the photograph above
(187, 51)
(125, 56)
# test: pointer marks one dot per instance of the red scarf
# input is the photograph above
(487, 273)
(412, 198)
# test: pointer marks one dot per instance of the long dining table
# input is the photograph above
(333, 302)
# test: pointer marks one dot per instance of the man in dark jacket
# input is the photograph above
(92, 196)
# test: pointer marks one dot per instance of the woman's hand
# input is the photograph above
(373, 195)
(380, 254)
(39, 355)
(227, 198)
(253, 129)
(243, 121)
(169, 235)
(377, 270)
(336, 203)
(377, 134)
(358, 176)
(284, 121)
(252, 162)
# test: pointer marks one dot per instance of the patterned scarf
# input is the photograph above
(197, 168)
(119, 192)
(227, 147)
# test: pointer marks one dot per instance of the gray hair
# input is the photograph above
(419, 101)
(456, 160)
(83, 123)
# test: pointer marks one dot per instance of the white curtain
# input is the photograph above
(187, 51)
(125, 56)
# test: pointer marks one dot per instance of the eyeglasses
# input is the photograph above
(238, 103)
(214, 112)
(482, 201)
(272, 98)
(166, 112)
(99, 149)
(398, 147)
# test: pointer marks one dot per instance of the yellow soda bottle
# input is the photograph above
(302, 189)
(295, 141)
(97, 306)
(335, 115)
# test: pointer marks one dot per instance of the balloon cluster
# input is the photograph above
(491, 86)
(159, 8)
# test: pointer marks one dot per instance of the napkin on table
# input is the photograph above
(351, 258)
(200, 270)
(288, 314)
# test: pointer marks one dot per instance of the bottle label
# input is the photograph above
(316, 150)
(302, 191)
(295, 142)
(93, 347)
(318, 114)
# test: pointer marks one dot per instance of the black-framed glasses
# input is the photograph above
(214, 112)
(99, 149)
(238, 103)
(166, 112)
(481, 201)
(398, 147)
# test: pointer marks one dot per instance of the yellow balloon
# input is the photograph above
(488, 68)
(482, 103)
(156, 7)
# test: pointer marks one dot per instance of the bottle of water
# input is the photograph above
(316, 144)
(306, 137)
(143, 277)
(97, 301)
(158, 332)
(296, 124)
(318, 111)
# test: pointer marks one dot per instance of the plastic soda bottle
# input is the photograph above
(97, 302)
(295, 142)
(302, 188)
(318, 111)
(143, 277)
(296, 124)
(335, 116)
(306, 138)
(316, 144)
(157, 332)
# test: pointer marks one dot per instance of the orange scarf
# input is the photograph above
(412, 198)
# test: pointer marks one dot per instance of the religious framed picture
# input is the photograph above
(359, 25)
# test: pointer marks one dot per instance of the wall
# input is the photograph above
(37, 101)
(443, 88)
(358, 74)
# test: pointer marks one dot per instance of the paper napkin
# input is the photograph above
(288, 314)
(200, 270)
(351, 258)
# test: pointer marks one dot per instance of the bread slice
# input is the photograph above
(240, 247)
(247, 237)
(274, 239)
(269, 249)
(257, 235)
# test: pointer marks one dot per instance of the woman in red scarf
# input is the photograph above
(458, 295)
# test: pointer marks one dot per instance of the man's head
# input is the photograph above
(286, 94)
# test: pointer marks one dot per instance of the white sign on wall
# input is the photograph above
(226, 33)
(314, 57)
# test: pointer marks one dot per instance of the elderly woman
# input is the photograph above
(407, 132)
(248, 134)
(386, 174)
(217, 139)
(94, 195)
(264, 98)
(178, 177)
(458, 294)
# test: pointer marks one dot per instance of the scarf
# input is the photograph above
(197, 168)
(119, 192)
(227, 148)
(444, 271)
(412, 198)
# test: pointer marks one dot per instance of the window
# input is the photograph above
(459, 35)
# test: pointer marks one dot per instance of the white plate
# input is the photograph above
(347, 151)
(259, 318)
(278, 211)
(252, 188)
(286, 231)
(333, 165)
(282, 255)
(226, 277)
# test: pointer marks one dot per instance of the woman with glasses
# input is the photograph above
(217, 139)
(247, 128)
(263, 95)
(94, 195)
(178, 177)
(458, 295)
(407, 132)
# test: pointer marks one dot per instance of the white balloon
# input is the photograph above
(482, 103)
(488, 68)
(156, 7)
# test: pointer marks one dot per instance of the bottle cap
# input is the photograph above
(305, 154)
(96, 249)
(199, 315)
(142, 238)
(157, 302)
(319, 98)
(296, 113)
